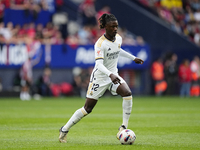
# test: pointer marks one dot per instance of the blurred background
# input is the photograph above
(47, 46)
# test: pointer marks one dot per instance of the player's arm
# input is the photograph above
(99, 64)
(99, 58)
(123, 53)
(102, 68)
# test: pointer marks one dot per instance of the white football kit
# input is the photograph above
(106, 55)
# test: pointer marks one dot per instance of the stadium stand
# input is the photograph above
(74, 23)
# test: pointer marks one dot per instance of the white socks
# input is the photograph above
(76, 117)
(80, 113)
(127, 108)
(25, 96)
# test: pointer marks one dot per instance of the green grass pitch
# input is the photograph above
(160, 123)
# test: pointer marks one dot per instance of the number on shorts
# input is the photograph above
(95, 87)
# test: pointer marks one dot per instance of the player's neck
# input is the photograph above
(110, 38)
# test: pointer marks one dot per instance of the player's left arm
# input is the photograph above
(123, 53)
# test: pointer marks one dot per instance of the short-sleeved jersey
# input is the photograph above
(109, 52)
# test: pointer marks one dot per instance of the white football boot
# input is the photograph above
(63, 136)
(121, 128)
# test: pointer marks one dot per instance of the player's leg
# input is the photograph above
(80, 113)
(76, 117)
(126, 94)
(24, 94)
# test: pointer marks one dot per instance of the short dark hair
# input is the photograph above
(106, 18)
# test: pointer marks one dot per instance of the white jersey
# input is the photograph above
(109, 52)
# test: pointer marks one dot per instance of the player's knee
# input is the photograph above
(88, 109)
(126, 93)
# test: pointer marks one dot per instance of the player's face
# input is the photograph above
(111, 28)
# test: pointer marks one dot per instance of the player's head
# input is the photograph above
(110, 23)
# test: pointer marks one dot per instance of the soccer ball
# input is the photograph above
(127, 137)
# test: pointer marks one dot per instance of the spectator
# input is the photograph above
(26, 74)
(32, 9)
(165, 14)
(197, 15)
(59, 4)
(128, 38)
(44, 83)
(176, 27)
(26, 80)
(184, 73)
(48, 32)
(171, 74)
(195, 68)
(19, 4)
(88, 11)
(72, 41)
(84, 35)
(140, 41)
(6, 32)
(195, 4)
(181, 15)
(3, 4)
(2, 41)
(31, 30)
(104, 10)
(157, 73)
(1, 87)
(15, 37)
(57, 39)
(38, 32)
(43, 4)
(189, 16)
(81, 80)
(197, 38)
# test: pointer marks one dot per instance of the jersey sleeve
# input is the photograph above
(99, 49)
(102, 68)
(123, 53)
(99, 56)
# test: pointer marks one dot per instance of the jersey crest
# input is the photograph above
(99, 53)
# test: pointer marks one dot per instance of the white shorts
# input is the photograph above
(99, 85)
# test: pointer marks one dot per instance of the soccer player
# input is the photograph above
(105, 75)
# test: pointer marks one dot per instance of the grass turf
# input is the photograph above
(167, 123)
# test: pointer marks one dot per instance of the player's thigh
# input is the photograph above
(124, 90)
(120, 89)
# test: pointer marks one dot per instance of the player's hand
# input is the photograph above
(138, 61)
(114, 79)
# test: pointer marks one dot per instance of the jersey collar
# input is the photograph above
(108, 39)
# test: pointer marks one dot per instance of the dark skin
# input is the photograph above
(123, 89)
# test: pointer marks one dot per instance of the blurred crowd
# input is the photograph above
(182, 15)
(170, 78)
(29, 33)
(82, 32)
(29, 6)
(87, 30)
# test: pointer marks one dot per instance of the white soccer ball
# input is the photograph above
(127, 137)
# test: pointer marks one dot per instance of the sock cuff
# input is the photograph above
(84, 111)
(127, 98)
